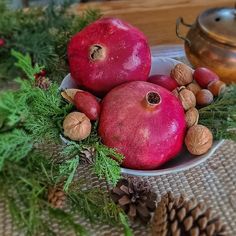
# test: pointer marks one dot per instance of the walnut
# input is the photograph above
(199, 139)
(191, 117)
(77, 126)
(69, 94)
(217, 87)
(194, 87)
(182, 73)
(204, 97)
(187, 98)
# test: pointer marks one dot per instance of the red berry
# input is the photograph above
(204, 76)
(43, 72)
(164, 81)
(2, 42)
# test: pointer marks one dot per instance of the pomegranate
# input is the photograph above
(144, 122)
(88, 104)
(204, 76)
(108, 53)
(164, 81)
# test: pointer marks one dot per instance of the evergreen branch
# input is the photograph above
(14, 146)
(124, 221)
(68, 170)
(24, 62)
(107, 163)
(220, 116)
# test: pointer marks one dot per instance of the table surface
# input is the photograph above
(156, 18)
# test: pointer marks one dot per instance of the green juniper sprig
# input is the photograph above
(220, 116)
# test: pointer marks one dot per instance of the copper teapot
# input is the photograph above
(211, 41)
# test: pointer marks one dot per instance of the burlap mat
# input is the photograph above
(213, 182)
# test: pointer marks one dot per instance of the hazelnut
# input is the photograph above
(204, 97)
(199, 139)
(193, 87)
(69, 94)
(187, 98)
(191, 117)
(217, 87)
(182, 73)
(77, 126)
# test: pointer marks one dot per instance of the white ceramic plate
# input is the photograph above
(184, 160)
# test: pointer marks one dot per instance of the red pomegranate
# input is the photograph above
(143, 121)
(108, 53)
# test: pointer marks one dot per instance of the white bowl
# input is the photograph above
(184, 160)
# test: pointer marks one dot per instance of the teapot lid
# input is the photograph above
(219, 24)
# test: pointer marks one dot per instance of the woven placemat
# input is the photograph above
(213, 182)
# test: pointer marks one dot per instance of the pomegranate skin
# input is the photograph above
(204, 76)
(88, 104)
(147, 135)
(164, 81)
(108, 53)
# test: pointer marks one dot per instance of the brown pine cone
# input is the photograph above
(87, 155)
(185, 217)
(42, 82)
(135, 198)
(56, 197)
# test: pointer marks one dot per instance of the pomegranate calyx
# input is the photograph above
(153, 99)
(97, 52)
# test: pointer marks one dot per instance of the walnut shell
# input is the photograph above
(69, 94)
(194, 87)
(191, 117)
(182, 73)
(204, 97)
(77, 126)
(187, 98)
(199, 139)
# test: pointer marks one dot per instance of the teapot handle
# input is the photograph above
(179, 21)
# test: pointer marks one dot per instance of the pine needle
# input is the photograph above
(107, 163)
(220, 116)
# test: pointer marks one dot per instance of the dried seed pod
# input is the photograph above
(204, 97)
(69, 94)
(217, 87)
(191, 117)
(198, 140)
(194, 87)
(187, 98)
(182, 73)
(77, 126)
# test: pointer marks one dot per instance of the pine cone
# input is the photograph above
(135, 198)
(42, 82)
(179, 216)
(56, 197)
(87, 155)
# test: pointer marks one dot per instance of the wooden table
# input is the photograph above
(156, 18)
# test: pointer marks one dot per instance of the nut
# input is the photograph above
(217, 87)
(77, 126)
(69, 94)
(191, 117)
(204, 97)
(182, 73)
(199, 139)
(187, 98)
(194, 87)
